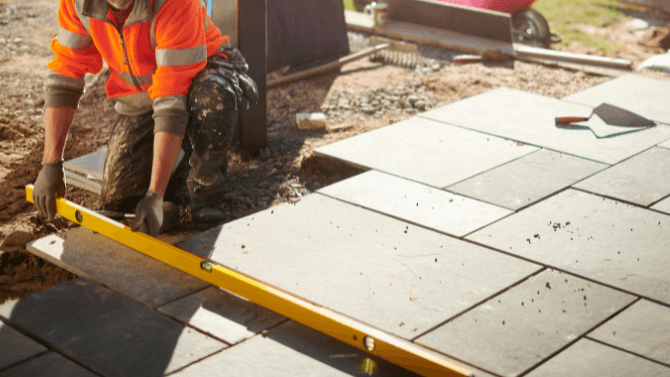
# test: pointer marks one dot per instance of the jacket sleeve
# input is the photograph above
(181, 52)
(75, 54)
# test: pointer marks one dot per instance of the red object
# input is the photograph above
(507, 6)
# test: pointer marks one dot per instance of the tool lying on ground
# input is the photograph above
(326, 67)
(399, 53)
(342, 328)
(610, 115)
(116, 215)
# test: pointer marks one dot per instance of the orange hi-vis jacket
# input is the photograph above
(163, 45)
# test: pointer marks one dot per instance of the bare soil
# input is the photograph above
(362, 96)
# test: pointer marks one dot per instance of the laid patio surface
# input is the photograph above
(480, 232)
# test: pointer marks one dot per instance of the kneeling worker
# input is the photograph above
(178, 85)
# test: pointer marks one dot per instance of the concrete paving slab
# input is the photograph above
(48, 365)
(665, 144)
(96, 257)
(530, 118)
(611, 242)
(416, 203)
(398, 277)
(15, 347)
(82, 182)
(295, 350)
(426, 151)
(642, 95)
(641, 329)
(663, 205)
(643, 179)
(528, 323)
(109, 333)
(222, 314)
(588, 358)
(527, 180)
(92, 163)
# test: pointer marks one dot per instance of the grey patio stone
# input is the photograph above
(82, 182)
(642, 329)
(96, 257)
(530, 118)
(90, 164)
(107, 332)
(416, 203)
(523, 326)
(643, 179)
(663, 205)
(48, 365)
(525, 181)
(611, 242)
(426, 151)
(384, 272)
(15, 346)
(222, 314)
(642, 95)
(295, 350)
(587, 358)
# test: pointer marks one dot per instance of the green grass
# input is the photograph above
(562, 13)
(349, 5)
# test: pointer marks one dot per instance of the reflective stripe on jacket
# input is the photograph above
(163, 45)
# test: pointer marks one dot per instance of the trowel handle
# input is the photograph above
(562, 120)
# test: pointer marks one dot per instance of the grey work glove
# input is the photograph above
(149, 214)
(234, 72)
(49, 185)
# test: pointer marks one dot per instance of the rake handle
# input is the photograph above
(326, 67)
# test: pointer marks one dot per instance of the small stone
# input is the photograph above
(412, 99)
(295, 169)
(421, 105)
(404, 104)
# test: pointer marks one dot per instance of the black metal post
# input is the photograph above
(251, 39)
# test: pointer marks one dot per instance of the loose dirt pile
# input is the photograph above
(364, 96)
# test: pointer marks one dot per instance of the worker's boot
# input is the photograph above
(206, 183)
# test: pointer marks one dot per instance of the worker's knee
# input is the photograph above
(213, 112)
(127, 169)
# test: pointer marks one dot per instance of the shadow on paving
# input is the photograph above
(112, 335)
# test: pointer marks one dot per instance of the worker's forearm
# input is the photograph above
(166, 151)
(57, 121)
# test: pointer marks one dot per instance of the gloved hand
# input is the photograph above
(49, 185)
(234, 72)
(149, 214)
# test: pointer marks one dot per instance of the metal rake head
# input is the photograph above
(399, 53)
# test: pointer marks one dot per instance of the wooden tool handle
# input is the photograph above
(563, 120)
(327, 67)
